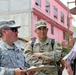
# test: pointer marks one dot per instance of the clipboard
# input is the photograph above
(41, 67)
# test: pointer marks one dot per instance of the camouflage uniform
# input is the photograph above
(10, 58)
(47, 54)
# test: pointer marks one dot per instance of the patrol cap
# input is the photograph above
(40, 24)
(8, 24)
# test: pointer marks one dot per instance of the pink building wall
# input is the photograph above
(59, 27)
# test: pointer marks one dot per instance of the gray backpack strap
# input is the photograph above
(32, 43)
(52, 42)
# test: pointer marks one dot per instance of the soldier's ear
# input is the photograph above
(47, 29)
(3, 31)
(35, 31)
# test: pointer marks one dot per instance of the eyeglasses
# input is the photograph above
(12, 29)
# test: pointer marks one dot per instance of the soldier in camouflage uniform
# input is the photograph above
(42, 52)
(12, 58)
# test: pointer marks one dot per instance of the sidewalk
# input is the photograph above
(65, 72)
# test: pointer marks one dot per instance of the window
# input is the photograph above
(55, 12)
(68, 23)
(38, 3)
(62, 17)
(47, 7)
(52, 29)
(65, 36)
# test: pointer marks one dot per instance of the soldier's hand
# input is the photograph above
(39, 55)
(18, 71)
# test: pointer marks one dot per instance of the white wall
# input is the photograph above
(20, 11)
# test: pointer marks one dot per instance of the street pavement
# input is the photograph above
(65, 72)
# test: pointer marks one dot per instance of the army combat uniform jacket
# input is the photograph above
(47, 54)
(10, 58)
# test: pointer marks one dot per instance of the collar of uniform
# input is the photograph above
(9, 47)
(39, 42)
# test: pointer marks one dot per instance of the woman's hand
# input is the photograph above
(69, 70)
